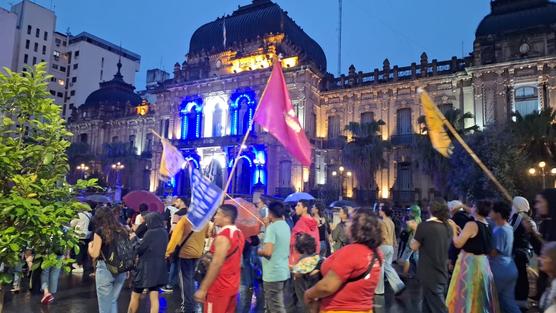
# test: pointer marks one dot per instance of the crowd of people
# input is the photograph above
(467, 258)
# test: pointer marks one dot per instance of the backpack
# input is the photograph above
(203, 264)
(121, 257)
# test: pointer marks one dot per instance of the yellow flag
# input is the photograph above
(435, 126)
(171, 161)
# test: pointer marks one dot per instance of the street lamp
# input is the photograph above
(542, 165)
(83, 169)
(118, 167)
(342, 174)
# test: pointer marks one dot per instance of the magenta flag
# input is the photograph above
(275, 114)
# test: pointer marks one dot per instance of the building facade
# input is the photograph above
(208, 104)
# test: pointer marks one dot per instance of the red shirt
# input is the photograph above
(352, 261)
(306, 224)
(227, 281)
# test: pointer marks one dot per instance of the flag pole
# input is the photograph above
(244, 208)
(156, 134)
(244, 140)
(471, 153)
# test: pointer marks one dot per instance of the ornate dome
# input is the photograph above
(509, 16)
(113, 92)
(248, 22)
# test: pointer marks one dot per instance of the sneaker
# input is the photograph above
(15, 290)
(51, 299)
(47, 298)
(167, 289)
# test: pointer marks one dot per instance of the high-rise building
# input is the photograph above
(78, 63)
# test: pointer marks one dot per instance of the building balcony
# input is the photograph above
(403, 140)
(212, 141)
(321, 143)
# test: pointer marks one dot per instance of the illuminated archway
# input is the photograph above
(215, 113)
(191, 117)
(242, 109)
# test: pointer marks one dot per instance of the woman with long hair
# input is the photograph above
(472, 286)
(319, 215)
(340, 236)
(107, 232)
(432, 239)
(545, 204)
(349, 282)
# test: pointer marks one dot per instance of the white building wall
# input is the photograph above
(8, 22)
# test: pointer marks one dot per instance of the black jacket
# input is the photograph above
(151, 268)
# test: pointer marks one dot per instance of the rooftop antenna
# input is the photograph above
(339, 37)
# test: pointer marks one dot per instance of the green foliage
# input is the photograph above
(364, 153)
(536, 134)
(36, 202)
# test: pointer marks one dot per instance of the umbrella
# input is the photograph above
(296, 196)
(135, 198)
(246, 221)
(98, 198)
(343, 203)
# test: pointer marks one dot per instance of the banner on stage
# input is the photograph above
(206, 197)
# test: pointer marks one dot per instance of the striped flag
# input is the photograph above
(171, 161)
(435, 125)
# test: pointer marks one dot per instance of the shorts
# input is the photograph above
(220, 304)
(151, 289)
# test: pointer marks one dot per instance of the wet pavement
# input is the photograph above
(77, 295)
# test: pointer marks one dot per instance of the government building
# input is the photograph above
(208, 103)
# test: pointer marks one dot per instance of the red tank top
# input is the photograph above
(227, 281)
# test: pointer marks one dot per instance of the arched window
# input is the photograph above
(526, 100)
(242, 109)
(191, 114)
(333, 127)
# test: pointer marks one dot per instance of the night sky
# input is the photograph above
(372, 29)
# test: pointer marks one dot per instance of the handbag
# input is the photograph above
(203, 264)
(176, 253)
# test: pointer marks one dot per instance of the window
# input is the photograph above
(27, 44)
(114, 139)
(42, 60)
(29, 29)
(54, 66)
(73, 79)
(56, 53)
(62, 69)
(527, 100)
(45, 36)
(131, 142)
(75, 66)
(149, 143)
(83, 138)
(76, 53)
(367, 117)
(25, 58)
(52, 79)
(52, 92)
(34, 60)
(64, 43)
(59, 95)
(43, 50)
(37, 32)
(285, 174)
(217, 129)
(333, 127)
(36, 47)
(404, 122)
(58, 42)
(72, 93)
(445, 107)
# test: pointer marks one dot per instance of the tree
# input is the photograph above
(536, 134)
(364, 152)
(432, 162)
(36, 202)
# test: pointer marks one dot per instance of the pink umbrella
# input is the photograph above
(248, 219)
(135, 198)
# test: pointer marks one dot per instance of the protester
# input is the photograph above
(305, 224)
(460, 216)
(548, 267)
(151, 272)
(545, 204)
(472, 285)
(275, 253)
(169, 210)
(387, 249)
(501, 262)
(522, 249)
(349, 282)
(319, 214)
(50, 277)
(107, 233)
(81, 228)
(181, 204)
(432, 240)
(340, 236)
(140, 218)
(306, 271)
(186, 246)
(219, 288)
(414, 219)
(249, 283)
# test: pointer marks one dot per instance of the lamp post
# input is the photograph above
(542, 171)
(341, 173)
(83, 169)
(118, 167)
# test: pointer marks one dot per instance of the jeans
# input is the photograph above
(249, 284)
(433, 298)
(49, 279)
(187, 284)
(174, 272)
(323, 249)
(505, 277)
(388, 271)
(108, 288)
(274, 296)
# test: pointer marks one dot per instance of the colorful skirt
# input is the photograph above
(472, 288)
